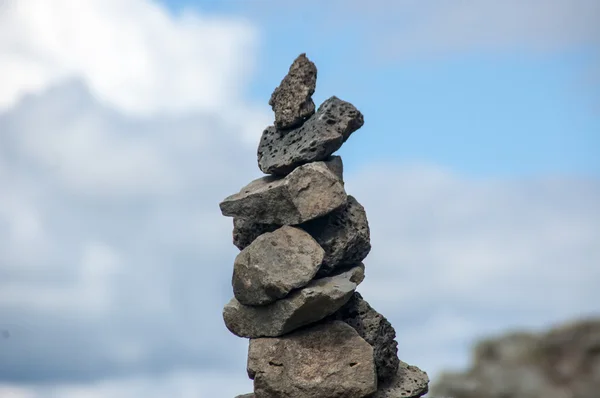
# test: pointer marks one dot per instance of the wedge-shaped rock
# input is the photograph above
(291, 101)
(309, 192)
(376, 330)
(317, 300)
(409, 382)
(280, 152)
(245, 230)
(343, 233)
(325, 360)
(274, 264)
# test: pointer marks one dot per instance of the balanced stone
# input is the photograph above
(325, 360)
(409, 382)
(376, 330)
(317, 300)
(245, 230)
(280, 152)
(344, 235)
(291, 101)
(309, 192)
(274, 264)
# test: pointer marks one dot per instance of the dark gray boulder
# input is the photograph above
(291, 101)
(376, 330)
(280, 152)
(408, 382)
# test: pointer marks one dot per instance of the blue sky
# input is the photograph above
(481, 111)
(124, 123)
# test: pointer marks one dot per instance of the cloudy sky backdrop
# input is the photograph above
(123, 124)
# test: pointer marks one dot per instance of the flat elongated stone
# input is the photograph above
(317, 300)
(409, 382)
(280, 152)
(325, 360)
(376, 330)
(275, 264)
(309, 192)
(291, 101)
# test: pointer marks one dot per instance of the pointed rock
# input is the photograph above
(291, 101)
(280, 152)
(275, 264)
(376, 330)
(325, 360)
(309, 192)
(317, 300)
(409, 382)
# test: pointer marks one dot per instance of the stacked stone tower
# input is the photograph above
(302, 240)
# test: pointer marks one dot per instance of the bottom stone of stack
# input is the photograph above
(325, 360)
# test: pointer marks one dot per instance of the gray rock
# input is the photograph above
(291, 101)
(410, 382)
(325, 360)
(317, 300)
(309, 192)
(376, 330)
(344, 235)
(245, 230)
(275, 264)
(280, 152)
(251, 395)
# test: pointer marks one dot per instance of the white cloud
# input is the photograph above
(131, 53)
(409, 28)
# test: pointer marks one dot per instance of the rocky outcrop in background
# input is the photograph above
(303, 240)
(561, 363)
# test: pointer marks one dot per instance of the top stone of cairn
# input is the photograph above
(291, 101)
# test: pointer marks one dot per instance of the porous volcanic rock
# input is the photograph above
(408, 382)
(309, 192)
(376, 330)
(291, 101)
(317, 300)
(275, 264)
(280, 152)
(324, 360)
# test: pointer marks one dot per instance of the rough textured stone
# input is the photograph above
(324, 133)
(275, 264)
(325, 360)
(376, 330)
(563, 362)
(344, 235)
(409, 382)
(309, 192)
(251, 395)
(317, 300)
(245, 230)
(291, 101)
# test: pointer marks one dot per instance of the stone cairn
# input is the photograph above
(302, 242)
